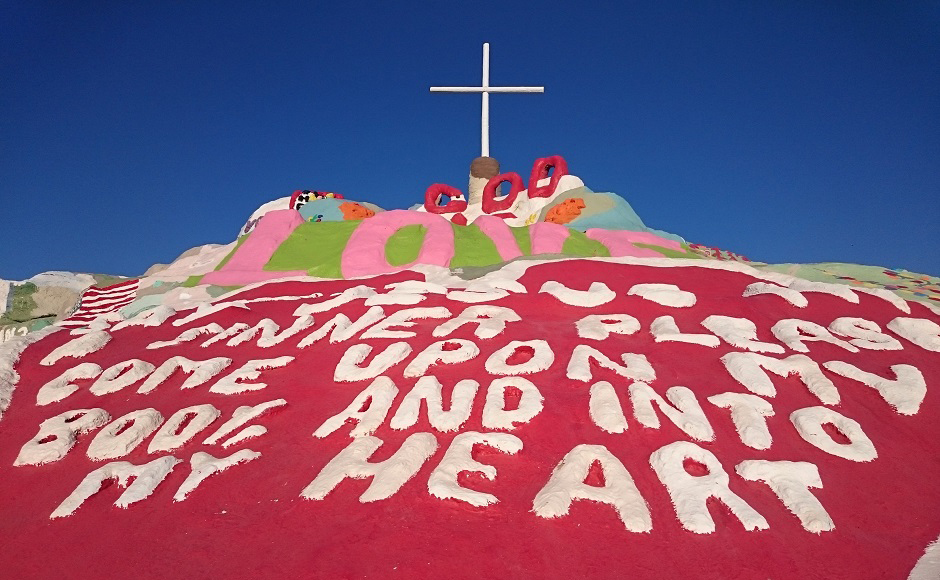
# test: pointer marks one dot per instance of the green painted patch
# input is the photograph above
(906, 284)
(225, 260)
(316, 247)
(192, 281)
(21, 303)
(41, 323)
(216, 291)
(689, 253)
(9, 331)
(404, 245)
(523, 240)
(579, 244)
(668, 252)
(473, 248)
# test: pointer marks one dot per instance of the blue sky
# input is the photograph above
(784, 131)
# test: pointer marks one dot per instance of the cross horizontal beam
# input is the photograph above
(485, 89)
(488, 89)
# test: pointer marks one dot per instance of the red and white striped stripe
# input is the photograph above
(98, 301)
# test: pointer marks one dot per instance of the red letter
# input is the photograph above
(492, 205)
(432, 198)
(540, 171)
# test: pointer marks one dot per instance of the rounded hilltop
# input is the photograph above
(502, 217)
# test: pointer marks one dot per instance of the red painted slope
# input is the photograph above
(251, 522)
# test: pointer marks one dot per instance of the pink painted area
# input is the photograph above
(620, 242)
(246, 266)
(548, 238)
(497, 230)
(240, 278)
(365, 252)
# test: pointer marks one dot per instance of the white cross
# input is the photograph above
(486, 89)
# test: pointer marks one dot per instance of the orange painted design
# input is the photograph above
(354, 211)
(565, 211)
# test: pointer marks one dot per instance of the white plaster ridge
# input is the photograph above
(10, 352)
(203, 465)
(78, 347)
(145, 479)
(788, 294)
(928, 567)
(665, 294)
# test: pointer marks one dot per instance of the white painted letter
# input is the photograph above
(567, 484)
(123, 434)
(428, 389)
(443, 480)
(687, 414)
(387, 476)
(750, 370)
(748, 414)
(200, 371)
(403, 318)
(368, 409)
(349, 371)
(809, 424)
(495, 413)
(490, 321)
(203, 465)
(739, 333)
(63, 429)
(923, 333)
(597, 294)
(78, 347)
(196, 418)
(341, 328)
(605, 408)
(793, 332)
(690, 493)
(664, 329)
(121, 375)
(453, 351)
(600, 326)
(61, 387)
(791, 481)
(146, 478)
(905, 393)
(864, 333)
(542, 358)
(233, 383)
(637, 366)
(665, 294)
(241, 416)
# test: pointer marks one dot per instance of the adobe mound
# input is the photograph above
(471, 410)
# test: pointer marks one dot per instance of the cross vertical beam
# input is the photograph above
(485, 89)
(485, 110)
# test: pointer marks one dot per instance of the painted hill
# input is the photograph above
(525, 385)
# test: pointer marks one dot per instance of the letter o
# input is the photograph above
(492, 205)
(433, 195)
(540, 171)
